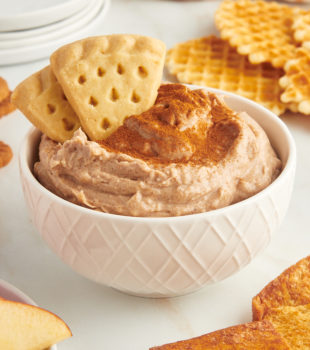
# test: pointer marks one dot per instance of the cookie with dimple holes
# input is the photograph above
(42, 100)
(260, 29)
(108, 78)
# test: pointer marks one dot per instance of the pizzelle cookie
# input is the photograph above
(42, 100)
(260, 29)
(211, 61)
(108, 78)
(301, 27)
(296, 81)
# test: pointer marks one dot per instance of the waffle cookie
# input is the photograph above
(108, 78)
(260, 29)
(212, 62)
(296, 81)
(301, 27)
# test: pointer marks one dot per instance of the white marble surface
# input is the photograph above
(101, 318)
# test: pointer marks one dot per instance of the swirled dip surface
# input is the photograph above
(188, 154)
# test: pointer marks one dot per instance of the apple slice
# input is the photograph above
(29, 327)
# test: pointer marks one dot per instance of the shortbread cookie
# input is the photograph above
(260, 29)
(4, 89)
(6, 154)
(42, 100)
(6, 107)
(108, 78)
(211, 61)
(296, 81)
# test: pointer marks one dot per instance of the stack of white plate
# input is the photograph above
(31, 30)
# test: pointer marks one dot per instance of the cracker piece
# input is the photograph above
(260, 29)
(296, 81)
(212, 62)
(42, 100)
(6, 107)
(291, 288)
(293, 323)
(108, 78)
(6, 154)
(4, 89)
(255, 336)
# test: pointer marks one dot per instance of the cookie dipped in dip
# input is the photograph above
(189, 153)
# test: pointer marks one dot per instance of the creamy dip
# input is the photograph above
(188, 154)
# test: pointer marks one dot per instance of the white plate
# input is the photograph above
(44, 49)
(8, 291)
(21, 14)
(91, 11)
(53, 27)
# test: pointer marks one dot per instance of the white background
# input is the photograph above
(99, 317)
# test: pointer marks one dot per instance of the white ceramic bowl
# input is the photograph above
(163, 257)
(8, 291)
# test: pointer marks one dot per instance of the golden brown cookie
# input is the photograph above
(296, 81)
(255, 336)
(6, 107)
(260, 29)
(6, 154)
(42, 100)
(293, 323)
(291, 288)
(4, 89)
(212, 62)
(108, 78)
(301, 28)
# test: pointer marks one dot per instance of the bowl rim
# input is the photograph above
(289, 166)
(17, 292)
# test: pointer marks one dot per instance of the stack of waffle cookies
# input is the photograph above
(263, 53)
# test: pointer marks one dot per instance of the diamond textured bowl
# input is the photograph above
(163, 257)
